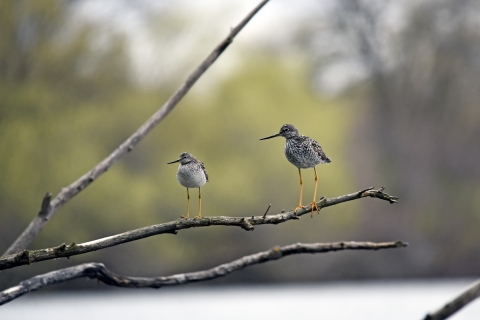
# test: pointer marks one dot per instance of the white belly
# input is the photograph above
(190, 179)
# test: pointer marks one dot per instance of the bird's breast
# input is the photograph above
(191, 177)
(301, 155)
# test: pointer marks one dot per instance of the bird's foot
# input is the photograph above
(314, 207)
(198, 217)
(298, 208)
(322, 202)
(185, 217)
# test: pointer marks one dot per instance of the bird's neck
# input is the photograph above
(293, 137)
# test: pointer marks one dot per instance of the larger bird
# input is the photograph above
(191, 173)
(303, 152)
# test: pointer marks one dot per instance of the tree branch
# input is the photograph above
(99, 271)
(84, 181)
(247, 223)
(456, 304)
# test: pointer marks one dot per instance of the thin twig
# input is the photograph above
(99, 271)
(247, 223)
(456, 304)
(84, 181)
(265, 214)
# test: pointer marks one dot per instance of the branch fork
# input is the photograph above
(247, 223)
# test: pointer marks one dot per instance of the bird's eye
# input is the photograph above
(286, 129)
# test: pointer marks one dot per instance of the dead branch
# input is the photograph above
(456, 304)
(84, 181)
(100, 272)
(247, 223)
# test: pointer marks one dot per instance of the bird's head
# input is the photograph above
(184, 158)
(287, 131)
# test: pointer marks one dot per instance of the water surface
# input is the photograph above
(352, 300)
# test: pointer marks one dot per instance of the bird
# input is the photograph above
(191, 173)
(303, 152)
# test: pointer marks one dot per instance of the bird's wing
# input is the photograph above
(204, 170)
(318, 149)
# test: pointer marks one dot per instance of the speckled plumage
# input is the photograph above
(191, 173)
(303, 152)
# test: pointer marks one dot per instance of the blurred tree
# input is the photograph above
(70, 103)
(49, 76)
(414, 70)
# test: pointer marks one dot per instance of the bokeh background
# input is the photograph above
(390, 89)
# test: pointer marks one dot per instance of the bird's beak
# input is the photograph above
(178, 160)
(270, 137)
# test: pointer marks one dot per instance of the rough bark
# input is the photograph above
(100, 272)
(247, 223)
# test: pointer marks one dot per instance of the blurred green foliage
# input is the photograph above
(64, 107)
(66, 103)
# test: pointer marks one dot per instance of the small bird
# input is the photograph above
(303, 152)
(191, 173)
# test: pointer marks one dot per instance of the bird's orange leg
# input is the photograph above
(314, 203)
(301, 189)
(199, 204)
(188, 205)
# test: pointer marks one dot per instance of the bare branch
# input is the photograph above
(379, 194)
(99, 271)
(84, 181)
(247, 223)
(456, 304)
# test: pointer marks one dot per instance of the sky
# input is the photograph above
(151, 29)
